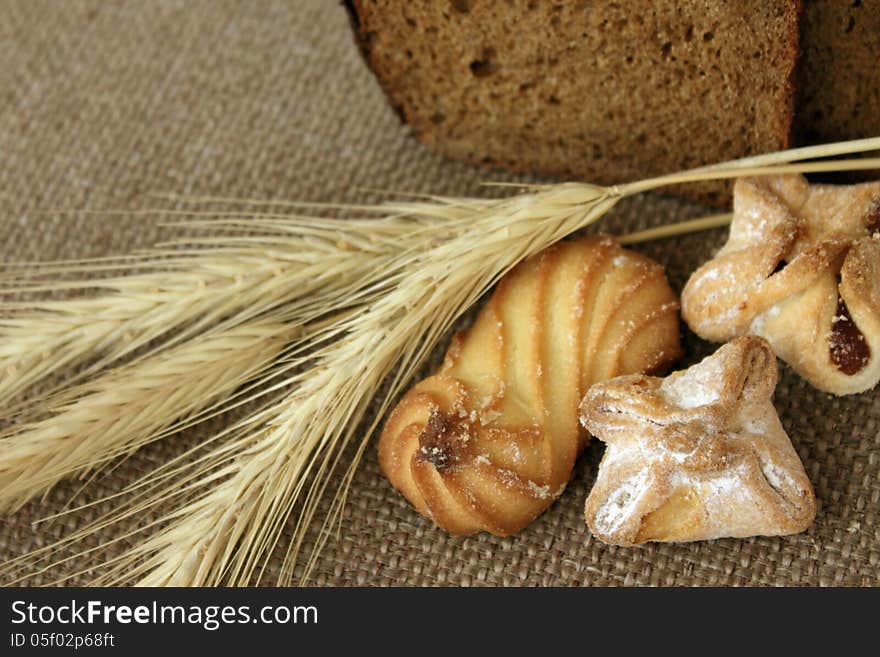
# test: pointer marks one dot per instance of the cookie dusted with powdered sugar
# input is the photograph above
(698, 455)
(801, 268)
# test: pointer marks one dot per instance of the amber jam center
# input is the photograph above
(442, 441)
(848, 349)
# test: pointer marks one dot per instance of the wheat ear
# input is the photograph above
(120, 411)
(211, 287)
(225, 534)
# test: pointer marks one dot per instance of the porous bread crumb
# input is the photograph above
(605, 92)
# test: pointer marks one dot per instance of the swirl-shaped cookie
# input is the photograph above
(802, 269)
(490, 440)
(700, 454)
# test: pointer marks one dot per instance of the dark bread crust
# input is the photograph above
(362, 39)
(531, 87)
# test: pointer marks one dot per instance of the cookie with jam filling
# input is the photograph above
(801, 268)
(490, 439)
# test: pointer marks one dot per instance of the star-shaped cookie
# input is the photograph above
(698, 455)
(801, 268)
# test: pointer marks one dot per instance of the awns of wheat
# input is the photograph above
(119, 412)
(338, 313)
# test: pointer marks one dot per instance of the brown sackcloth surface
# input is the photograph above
(105, 102)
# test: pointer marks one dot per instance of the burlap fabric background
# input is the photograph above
(104, 102)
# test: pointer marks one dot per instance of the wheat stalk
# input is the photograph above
(328, 401)
(120, 411)
(296, 276)
(678, 228)
(229, 506)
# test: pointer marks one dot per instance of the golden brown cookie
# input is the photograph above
(802, 269)
(698, 455)
(490, 440)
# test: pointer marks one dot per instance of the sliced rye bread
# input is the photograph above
(590, 90)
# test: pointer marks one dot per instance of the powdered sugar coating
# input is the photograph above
(797, 254)
(698, 386)
(618, 507)
(698, 455)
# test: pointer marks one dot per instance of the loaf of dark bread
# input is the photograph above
(588, 89)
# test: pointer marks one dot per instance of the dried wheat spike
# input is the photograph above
(700, 454)
(802, 269)
(490, 440)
